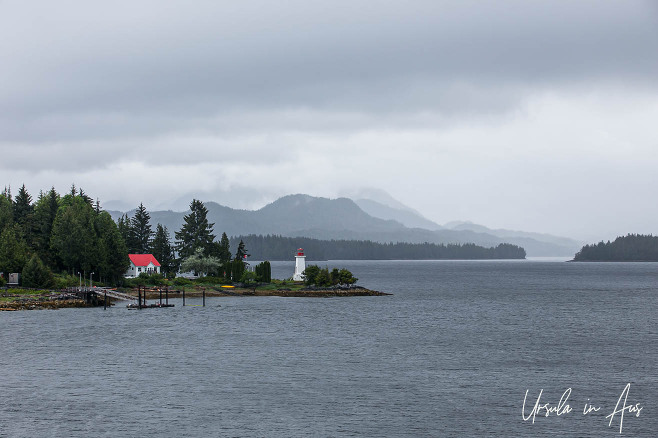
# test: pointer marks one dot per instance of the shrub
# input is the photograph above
(322, 277)
(145, 279)
(209, 279)
(310, 273)
(263, 272)
(237, 268)
(37, 275)
(131, 282)
(182, 281)
(151, 279)
(62, 281)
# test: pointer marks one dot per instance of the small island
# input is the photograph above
(629, 248)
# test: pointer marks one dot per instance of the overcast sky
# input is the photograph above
(537, 116)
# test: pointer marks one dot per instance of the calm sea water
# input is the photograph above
(452, 353)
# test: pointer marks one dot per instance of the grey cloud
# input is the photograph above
(204, 62)
(258, 98)
(449, 103)
(171, 152)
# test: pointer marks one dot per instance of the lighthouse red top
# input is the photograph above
(300, 252)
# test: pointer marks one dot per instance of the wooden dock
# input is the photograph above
(141, 300)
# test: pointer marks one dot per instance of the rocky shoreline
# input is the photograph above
(40, 304)
(354, 291)
(59, 300)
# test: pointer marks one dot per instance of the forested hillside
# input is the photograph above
(630, 248)
(282, 248)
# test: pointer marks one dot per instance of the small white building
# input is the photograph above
(300, 265)
(142, 263)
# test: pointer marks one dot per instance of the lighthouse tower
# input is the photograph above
(300, 265)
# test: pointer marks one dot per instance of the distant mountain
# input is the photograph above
(407, 217)
(565, 242)
(116, 205)
(537, 244)
(322, 218)
(379, 196)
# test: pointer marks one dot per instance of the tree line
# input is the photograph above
(66, 234)
(72, 235)
(629, 248)
(274, 247)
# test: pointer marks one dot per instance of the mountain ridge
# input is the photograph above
(302, 215)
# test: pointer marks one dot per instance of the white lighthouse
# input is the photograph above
(300, 265)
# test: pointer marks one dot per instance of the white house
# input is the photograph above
(142, 263)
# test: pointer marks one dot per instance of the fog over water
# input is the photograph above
(535, 116)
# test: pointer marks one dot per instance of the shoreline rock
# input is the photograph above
(311, 292)
(27, 304)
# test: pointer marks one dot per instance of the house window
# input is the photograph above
(139, 269)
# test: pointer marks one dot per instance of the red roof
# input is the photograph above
(143, 259)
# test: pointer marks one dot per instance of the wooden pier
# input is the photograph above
(101, 296)
(141, 300)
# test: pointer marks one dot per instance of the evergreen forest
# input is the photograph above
(271, 247)
(629, 248)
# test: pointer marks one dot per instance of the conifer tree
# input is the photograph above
(45, 211)
(196, 232)
(222, 250)
(238, 265)
(241, 252)
(36, 274)
(162, 250)
(73, 235)
(7, 193)
(23, 208)
(140, 231)
(13, 250)
(263, 272)
(123, 225)
(112, 253)
(24, 215)
(6, 212)
(86, 198)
